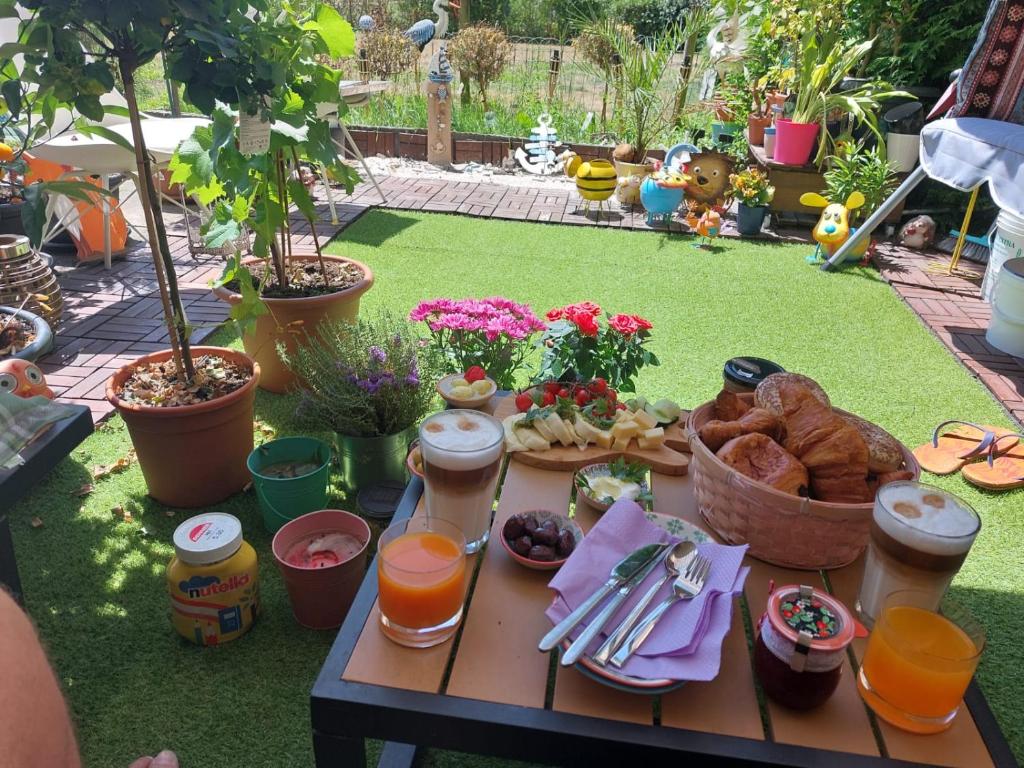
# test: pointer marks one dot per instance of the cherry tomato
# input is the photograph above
(552, 387)
(620, 406)
(548, 399)
(612, 395)
(598, 386)
(582, 397)
(523, 402)
(563, 392)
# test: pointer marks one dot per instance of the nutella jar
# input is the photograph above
(801, 644)
(743, 374)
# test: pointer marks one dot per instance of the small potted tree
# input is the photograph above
(281, 292)
(188, 410)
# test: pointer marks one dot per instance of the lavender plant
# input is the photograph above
(363, 379)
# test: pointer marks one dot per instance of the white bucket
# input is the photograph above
(1007, 243)
(902, 151)
(1006, 329)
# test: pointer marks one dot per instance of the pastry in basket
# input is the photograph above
(717, 433)
(877, 481)
(768, 393)
(729, 406)
(884, 452)
(832, 449)
(759, 457)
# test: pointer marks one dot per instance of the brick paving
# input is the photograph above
(113, 316)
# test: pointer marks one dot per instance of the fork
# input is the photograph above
(686, 587)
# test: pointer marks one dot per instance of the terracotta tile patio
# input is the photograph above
(112, 316)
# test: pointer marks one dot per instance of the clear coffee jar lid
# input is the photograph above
(208, 538)
(807, 628)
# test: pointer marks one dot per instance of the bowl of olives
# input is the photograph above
(540, 539)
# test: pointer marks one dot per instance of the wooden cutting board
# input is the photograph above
(664, 460)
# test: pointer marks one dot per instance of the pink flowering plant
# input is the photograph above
(493, 333)
(578, 346)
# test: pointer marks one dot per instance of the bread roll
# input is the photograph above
(885, 454)
(767, 393)
(760, 458)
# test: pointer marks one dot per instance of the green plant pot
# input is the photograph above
(368, 461)
(286, 498)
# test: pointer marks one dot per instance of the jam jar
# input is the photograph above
(212, 580)
(743, 374)
(801, 644)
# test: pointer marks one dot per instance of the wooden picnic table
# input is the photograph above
(490, 691)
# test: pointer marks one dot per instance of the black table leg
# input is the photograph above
(337, 752)
(396, 755)
(8, 566)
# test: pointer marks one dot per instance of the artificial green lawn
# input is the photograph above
(94, 583)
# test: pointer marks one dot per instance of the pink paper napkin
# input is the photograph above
(686, 644)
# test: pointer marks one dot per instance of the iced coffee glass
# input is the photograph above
(462, 452)
(920, 536)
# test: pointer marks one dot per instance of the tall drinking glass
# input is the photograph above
(462, 452)
(919, 661)
(421, 575)
(920, 536)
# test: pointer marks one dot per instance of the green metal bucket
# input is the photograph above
(369, 461)
(285, 498)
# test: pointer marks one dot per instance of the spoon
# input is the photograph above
(676, 560)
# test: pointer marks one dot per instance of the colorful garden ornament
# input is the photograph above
(833, 227)
(708, 226)
(595, 180)
(662, 193)
(537, 155)
(24, 379)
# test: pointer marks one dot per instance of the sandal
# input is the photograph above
(1003, 472)
(951, 451)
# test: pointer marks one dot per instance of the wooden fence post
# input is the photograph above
(554, 65)
(364, 65)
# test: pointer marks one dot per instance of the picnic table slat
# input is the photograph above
(961, 745)
(498, 658)
(842, 722)
(380, 661)
(727, 704)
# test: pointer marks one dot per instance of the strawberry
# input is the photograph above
(548, 399)
(598, 386)
(523, 402)
(474, 373)
(582, 397)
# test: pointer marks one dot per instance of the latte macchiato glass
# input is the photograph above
(920, 536)
(462, 451)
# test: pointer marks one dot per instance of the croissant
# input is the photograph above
(832, 449)
(729, 406)
(759, 457)
(768, 393)
(717, 433)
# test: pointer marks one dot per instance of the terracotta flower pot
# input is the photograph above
(755, 128)
(304, 314)
(321, 594)
(191, 455)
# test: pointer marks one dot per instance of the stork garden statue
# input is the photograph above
(439, 85)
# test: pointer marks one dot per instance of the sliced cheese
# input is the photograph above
(581, 442)
(512, 441)
(544, 430)
(585, 429)
(652, 438)
(621, 443)
(625, 415)
(532, 439)
(604, 438)
(557, 426)
(644, 419)
(626, 429)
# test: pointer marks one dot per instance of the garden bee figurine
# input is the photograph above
(24, 379)
(595, 180)
(833, 227)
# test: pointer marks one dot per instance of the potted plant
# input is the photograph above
(493, 333)
(856, 169)
(638, 68)
(189, 411)
(275, 69)
(759, 117)
(753, 193)
(822, 64)
(23, 335)
(732, 106)
(577, 346)
(370, 382)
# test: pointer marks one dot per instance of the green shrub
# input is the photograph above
(649, 17)
(482, 52)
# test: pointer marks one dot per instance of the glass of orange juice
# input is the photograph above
(421, 569)
(920, 661)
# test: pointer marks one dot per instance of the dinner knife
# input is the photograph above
(624, 570)
(579, 645)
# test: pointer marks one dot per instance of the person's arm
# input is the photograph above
(35, 728)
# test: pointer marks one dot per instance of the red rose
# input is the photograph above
(624, 324)
(586, 306)
(644, 324)
(583, 320)
(555, 314)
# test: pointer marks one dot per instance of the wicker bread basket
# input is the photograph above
(782, 529)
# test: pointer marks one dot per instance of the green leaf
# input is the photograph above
(222, 232)
(192, 155)
(300, 197)
(89, 106)
(246, 311)
(336, 33)
(84, 191)
(11, 91)
(33, 213)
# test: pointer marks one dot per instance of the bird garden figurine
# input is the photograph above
(425, 30)
(22, 378)
(707, 227)
(662, 192)
(833, 227)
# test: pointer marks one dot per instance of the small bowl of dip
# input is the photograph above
(604, 484)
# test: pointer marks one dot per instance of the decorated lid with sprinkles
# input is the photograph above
(803, 613)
